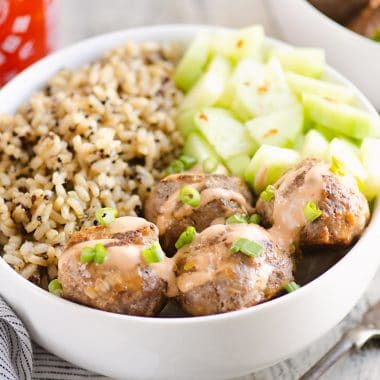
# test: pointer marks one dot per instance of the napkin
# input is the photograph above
(22, 360)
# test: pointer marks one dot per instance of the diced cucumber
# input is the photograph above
(224, 133)
(327, 133)
(262, 92)
(193, 62)
(210, 86)
(197, 147)
(369, 154)
(246, 72)
(268, 164)
(315, 146)
(301, 84)
(341, 118)
(280, 128)
(298, 144)
(238, 164)
(305, 61)
(348, 154)
(185, 121)
(243, 43)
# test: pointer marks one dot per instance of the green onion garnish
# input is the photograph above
(209, 164)
(100, 253)
(176, 166)
(188, 266)
(95, 254)
(254, 219)
(337, 167)
(190, 196)
(376, 35)
(268, 193)
(188, 161)
(237, 218)
(153, 254)
(186, 237)
(87, 255)
(291, 287)
(311, 212)
(183, 163)
(246, 246)
(55, 287)
(106, 215)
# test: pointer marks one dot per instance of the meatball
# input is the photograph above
(212, 279)
(220, 197)
(124, 282)
(344, 208)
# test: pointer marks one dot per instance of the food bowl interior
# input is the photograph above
(273, 330)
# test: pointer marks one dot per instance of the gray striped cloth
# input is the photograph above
(22, 360)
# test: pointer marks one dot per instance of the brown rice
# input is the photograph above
(94, 137)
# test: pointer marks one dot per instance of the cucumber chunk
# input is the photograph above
(185, 121)
(305, 61)
(348, 154)
(193, 62)
(243, 43)
(279, 128)
(238, 164)
(261, 92)
(301, 84)
(224, 133)
(209, 87)
(245, 72)
(197, 147)
(369, 154)
(341, 118)
(315, 145)
(268, 164)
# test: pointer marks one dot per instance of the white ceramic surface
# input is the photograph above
(212, 347)
(355, 56)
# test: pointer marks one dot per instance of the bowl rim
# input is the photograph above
(164, 321)
(341, 27)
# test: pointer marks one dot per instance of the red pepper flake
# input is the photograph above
(239, 43)
(263, 88)
(203, 116)
(271, 132)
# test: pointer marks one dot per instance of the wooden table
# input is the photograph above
(84, 18)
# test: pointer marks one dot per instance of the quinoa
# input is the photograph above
(98, 136)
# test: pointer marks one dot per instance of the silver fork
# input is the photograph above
(354, 339)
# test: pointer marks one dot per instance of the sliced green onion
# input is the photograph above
(246, 246)
(268, 193)
(209, 164)
(87, 255)
(237, 218)
(291, 287)
(153, 254)
(311, 212)
(190, 196)
(55, 287)
(176, 166)
(376, 35)
(188, 266)
(100, 253)
(337, 167)
(188, 161)
(254, 219)
(186, 237)
(106, 215)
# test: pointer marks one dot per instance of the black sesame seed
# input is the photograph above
(95, 222)
(39, 218)
(59, 159)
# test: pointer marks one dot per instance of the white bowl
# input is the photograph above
(212, 347)
(355, 56)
